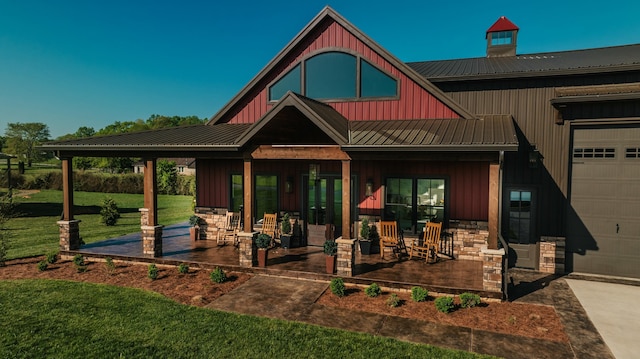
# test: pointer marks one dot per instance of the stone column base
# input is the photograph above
(346, 257)
(247, 248)
(492, 269)
(69, 235)
(152, 241)
(552, 253)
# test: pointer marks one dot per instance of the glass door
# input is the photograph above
(324, 207)
(518, 227)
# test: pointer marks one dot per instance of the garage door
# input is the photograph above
(604, 216)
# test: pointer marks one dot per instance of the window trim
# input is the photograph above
(302, 62)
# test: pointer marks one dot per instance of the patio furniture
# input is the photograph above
(231, 229)
(389, 237)
(269, 226)
(428, 246)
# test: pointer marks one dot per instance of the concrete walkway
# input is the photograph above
(263, 295)
(614, 310)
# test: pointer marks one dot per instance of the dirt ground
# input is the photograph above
(196, 288)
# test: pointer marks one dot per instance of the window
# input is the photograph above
(335, 75)
(237, 196)
(266, 195)
(413, 202)
(519, 230)
(501, 38)
(594, 153)
(633, 153)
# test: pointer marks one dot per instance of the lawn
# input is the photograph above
(62, 319)
(35, 232)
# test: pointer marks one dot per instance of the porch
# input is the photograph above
(452, 276)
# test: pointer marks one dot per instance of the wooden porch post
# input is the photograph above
(346, 199)
(494, 199)
(151, 191)
(67, 189)
(248, 195)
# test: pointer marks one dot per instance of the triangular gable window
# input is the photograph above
(335, 76)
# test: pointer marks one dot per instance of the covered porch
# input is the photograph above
(445, 276)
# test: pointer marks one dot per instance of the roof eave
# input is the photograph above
(434, 148)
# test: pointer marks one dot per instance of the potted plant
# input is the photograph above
(285, 231)
(263, 241)
(365, 240)
(330, 251)
(194, 230)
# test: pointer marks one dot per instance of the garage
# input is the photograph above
(603, 227)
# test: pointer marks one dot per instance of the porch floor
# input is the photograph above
(445, 276)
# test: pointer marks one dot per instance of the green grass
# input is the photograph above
(62, 319)
(35, 231)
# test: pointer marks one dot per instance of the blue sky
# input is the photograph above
(90, 63)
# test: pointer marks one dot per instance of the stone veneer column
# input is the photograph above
(552, 254)
(144, 216)
(152, 241)
(247, 248)
(346, 257)
(492, 269)
(69, 235)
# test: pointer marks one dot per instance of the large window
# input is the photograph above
(335, 75)
(266, 195)
(414, 201)
(237, 197)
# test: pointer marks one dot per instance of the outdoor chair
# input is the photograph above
(389, 237)
(231, 229)
(427, 247)
(270, 226)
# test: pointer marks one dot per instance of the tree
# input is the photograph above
(23, 138)
(167, 176)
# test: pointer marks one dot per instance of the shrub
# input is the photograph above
(52, 257)
(218, 275)
(78, 260)
(109, 213)
(42, 266)
(108, 263)
(364, 229)
(469, 300)
(445, 304)
(337, 287)
(373, 290)
(285, 225)
(183, 268)
(393, 300)
(263, 240)
(419, 294)
(330, 247)
(152, 271)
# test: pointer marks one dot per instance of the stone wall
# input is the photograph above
(469, 237)
(213, 219)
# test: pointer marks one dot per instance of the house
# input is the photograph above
(184, 166)
(336, 128)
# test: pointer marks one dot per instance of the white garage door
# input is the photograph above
(604, 216)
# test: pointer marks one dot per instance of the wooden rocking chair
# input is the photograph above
(269, 226)
(429, 245)
(231, 229)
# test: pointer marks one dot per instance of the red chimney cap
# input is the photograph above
(503, 24)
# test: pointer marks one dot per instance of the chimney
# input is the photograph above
(501, 38)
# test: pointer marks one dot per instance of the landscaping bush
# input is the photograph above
(109, 213)
(393, 300)
(183, 268)
(373, 290)
(42, 266)
(108, 263)
(152, 271)
(78, 260)
(218, 275)
(52, 257)
(444, 304)
(469, 300)
(419, 294)
(337, 287)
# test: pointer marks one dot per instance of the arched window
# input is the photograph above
(335, 76)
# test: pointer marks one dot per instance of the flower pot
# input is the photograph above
(193, 233)
(330, 262)
(262, 257)
(285, 241)
(365, 247)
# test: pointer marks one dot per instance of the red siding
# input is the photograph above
(414, 102)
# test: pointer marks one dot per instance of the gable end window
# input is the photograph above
(335, 76)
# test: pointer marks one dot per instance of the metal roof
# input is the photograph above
(502, 24)
(196, 137)
(606, 59)
(488, 133)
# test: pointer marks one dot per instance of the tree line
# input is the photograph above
(22, 140)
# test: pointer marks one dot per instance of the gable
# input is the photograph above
(417, 98)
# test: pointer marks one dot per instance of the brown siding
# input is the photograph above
(414, 102)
